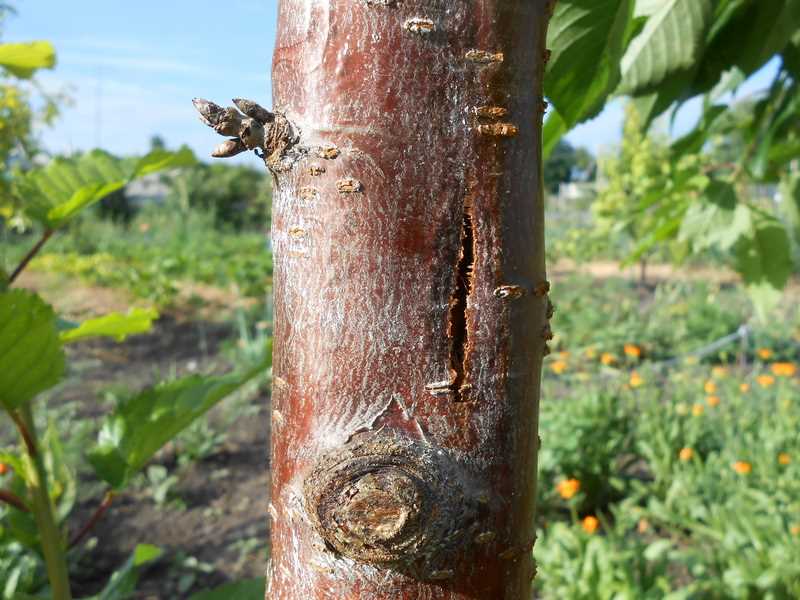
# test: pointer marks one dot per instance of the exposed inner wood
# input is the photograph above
(458, 331)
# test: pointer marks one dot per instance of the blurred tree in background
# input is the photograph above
(566, 164)
(19, 145)
(237, 195)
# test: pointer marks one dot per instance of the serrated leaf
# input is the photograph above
(764, 261)
(251, 589)
(55, 193)
(31, 356)
(671, 43)
(115, 325)
(23, 59)
(587, 39)
(141, 425)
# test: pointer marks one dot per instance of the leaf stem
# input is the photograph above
(24, 432)
(52, 540)
(12, 499)
(46, 235)
(93, 520)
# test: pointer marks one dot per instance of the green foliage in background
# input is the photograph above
(565, 164)
(237, 196)
(645, 195)
(696, 194)
(664, 478)
(161, 255)
(42, 487)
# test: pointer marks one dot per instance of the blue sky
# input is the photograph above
(132, 68)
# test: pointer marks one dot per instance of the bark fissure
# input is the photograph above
(458, 328)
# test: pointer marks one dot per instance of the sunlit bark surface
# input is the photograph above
(411, 309)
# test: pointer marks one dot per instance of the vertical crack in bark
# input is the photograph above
(457, 328)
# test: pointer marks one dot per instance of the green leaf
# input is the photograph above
(554, 129)
(791, 57)
(159, 160)
(31, 356)
(783, 106)
(790, 193)
(83, 197)
(587, 39)
(55, 193)
(15, 462)
(670, 44)
(716, 220)
(116, 325)
(123, 582)
(694, 141)
(657, 550)
(141, 425)
(250, 589)
(745, 35)
(764, 261)
(23, 59)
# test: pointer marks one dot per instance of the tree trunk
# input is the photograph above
(411, 308)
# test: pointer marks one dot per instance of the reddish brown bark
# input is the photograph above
(410, 297)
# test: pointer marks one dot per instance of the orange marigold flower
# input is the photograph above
(710, 387)
(784, 458)
(643, 526)
(765, 380)
(4, 468)
(607, 358)
(559, 366)
(568, 488)
(713, 401)
(764, 353)
(742, 467)
(795, 529)
(697, 410)
(744, 387)
(632, 350)
(784, 369)
(686, 454)
(590, 524)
